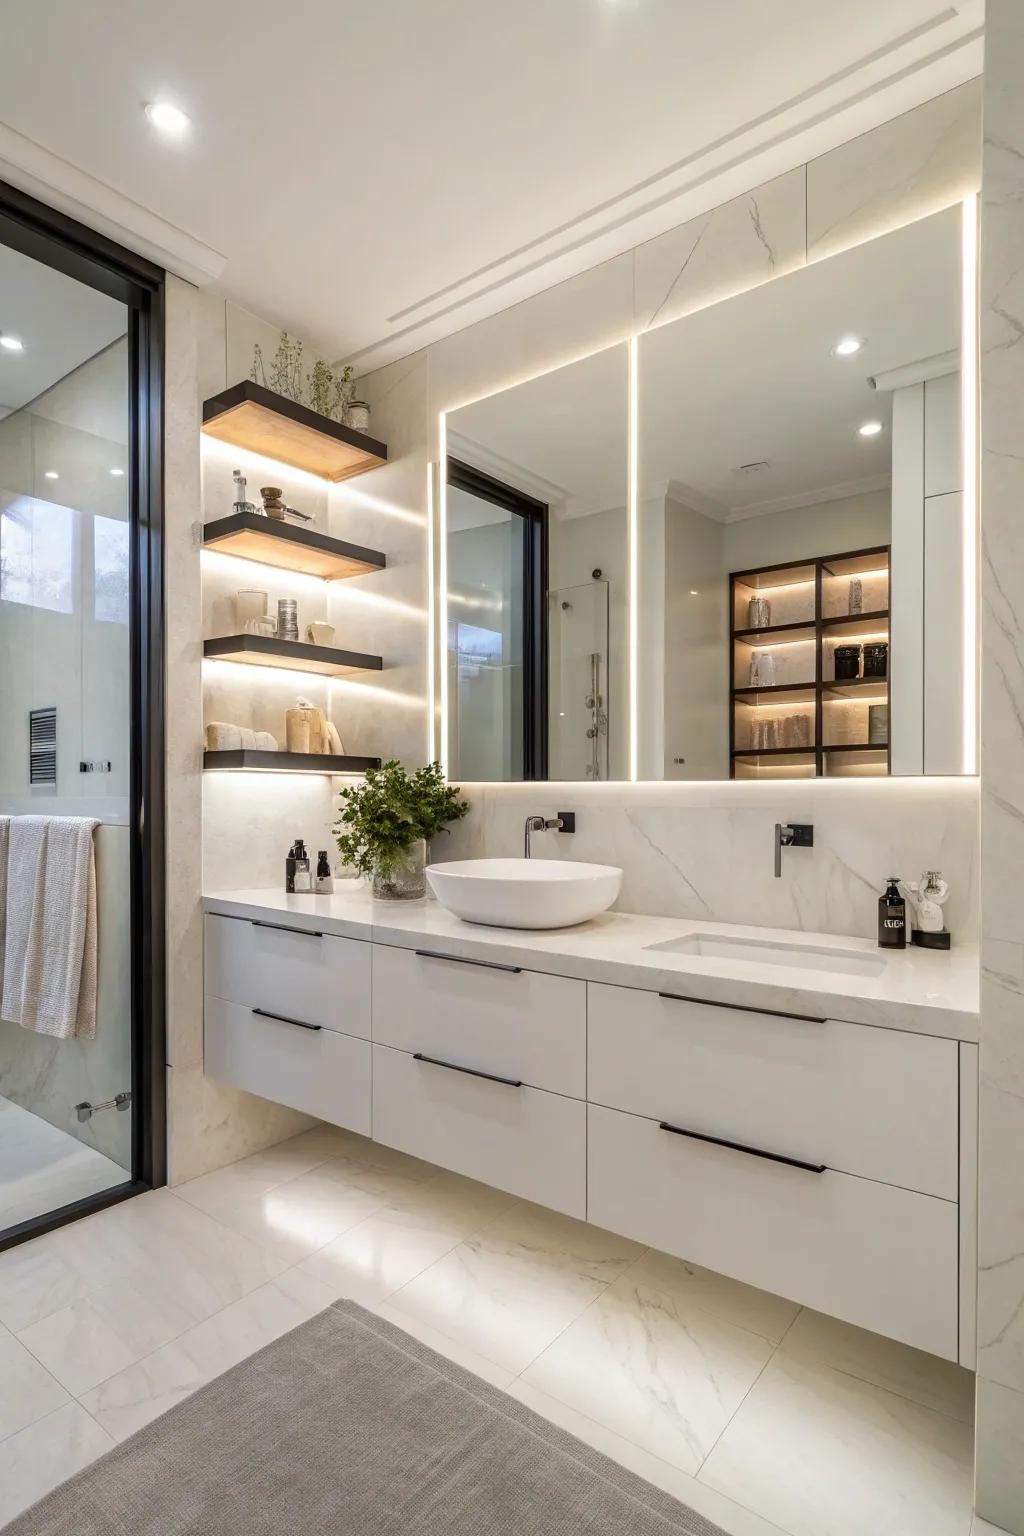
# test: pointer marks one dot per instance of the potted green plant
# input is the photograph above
(387, 821)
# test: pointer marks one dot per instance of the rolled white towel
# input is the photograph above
(221, 737)
(265, 742)
(248, 736)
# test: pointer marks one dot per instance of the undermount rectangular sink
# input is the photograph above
(807, 957)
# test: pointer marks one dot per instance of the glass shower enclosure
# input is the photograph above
(78, 607)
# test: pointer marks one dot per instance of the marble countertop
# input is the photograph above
(927, 991)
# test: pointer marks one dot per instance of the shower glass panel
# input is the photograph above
(66, 694)
(578, 681)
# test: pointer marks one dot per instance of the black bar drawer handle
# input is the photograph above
(280, 1018)
(311, 933)
(738, 1146)
(488, 965)
(772, 1013)
(491, 1077)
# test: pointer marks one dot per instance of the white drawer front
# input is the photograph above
(516, 1023)
(880, 1257)
(880, 1103)
(320, 1071)
(523, 1140)
(317, 977)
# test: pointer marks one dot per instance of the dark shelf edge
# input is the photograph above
(774, 751)
(856, 618)
(286, 762)
(288, 533)
(239, 394)
(265, 645)
(857, 746)
(777, 629)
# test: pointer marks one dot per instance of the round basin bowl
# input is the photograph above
(524, 893)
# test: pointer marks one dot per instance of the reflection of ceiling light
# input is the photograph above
(694, 592)
(870, 429)
(168, 118)
(848, 346)
(50, 474)
(118, 472)
(11, 344)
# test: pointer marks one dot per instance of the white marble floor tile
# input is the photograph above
(654, 1368)
(290, 1220)
(377, 1256)
(757, 1311)
(714, 1506)
(135, 1396)
(823, 1454)
(77, 1346)
(27, 1390)
(35, 1280)
(510, 1290)
(46, 1454)
(939, 1384)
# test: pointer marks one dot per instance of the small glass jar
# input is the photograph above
(357, 416)
(401, 877)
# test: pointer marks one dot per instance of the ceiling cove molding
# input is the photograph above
(943, 52)
(61, 185)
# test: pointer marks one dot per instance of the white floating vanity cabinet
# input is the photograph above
(829, 1162)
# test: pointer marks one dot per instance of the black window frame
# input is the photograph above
(466, 477)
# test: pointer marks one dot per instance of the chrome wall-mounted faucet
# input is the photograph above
(791, 834)
(565, 821)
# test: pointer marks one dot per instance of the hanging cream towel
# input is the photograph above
(49, 982)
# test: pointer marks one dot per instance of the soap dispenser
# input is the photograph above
(303, 876)
(892, 917)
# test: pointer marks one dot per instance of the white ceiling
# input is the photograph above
(748, 380)
(379, 175)
(60, 323)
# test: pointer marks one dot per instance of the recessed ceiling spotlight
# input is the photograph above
(847, 346)
(11, 344)
(117, 472)
(870, 429)
(50, 474)
(694, 592)
(167, 117)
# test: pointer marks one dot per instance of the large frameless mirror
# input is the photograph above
(536, 548)
(800, 498)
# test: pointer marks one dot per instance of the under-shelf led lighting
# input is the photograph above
(969, 527)
(633, 536)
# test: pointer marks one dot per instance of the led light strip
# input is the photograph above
(442, 583)
(632, 517)
(969, 533)
(431, 632)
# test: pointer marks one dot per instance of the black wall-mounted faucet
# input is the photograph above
(791, 834)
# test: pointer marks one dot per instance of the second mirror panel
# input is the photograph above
(536, 545)
(800, 504)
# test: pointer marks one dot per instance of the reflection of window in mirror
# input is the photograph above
(800, 503)
(536, 549)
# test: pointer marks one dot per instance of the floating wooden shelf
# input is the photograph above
(251, 536)
(294, 655)
(286, 762)
(774, 752)
(846, 620)
(755, 696)
(250, 416)
(804, 630)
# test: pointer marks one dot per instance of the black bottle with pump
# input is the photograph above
(892, 917)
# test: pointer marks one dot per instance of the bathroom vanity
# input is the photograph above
(807, 1127)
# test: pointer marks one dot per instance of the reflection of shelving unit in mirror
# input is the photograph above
(799, 630)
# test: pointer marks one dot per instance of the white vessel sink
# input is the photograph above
(805, 957)
(524, 893)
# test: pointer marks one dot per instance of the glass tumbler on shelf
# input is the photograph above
(762, 670)
(759, 613)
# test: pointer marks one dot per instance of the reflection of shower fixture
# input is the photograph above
(566, 606)
(598, 726)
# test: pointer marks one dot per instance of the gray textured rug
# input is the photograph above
(349, 1427)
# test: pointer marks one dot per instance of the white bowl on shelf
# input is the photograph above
(524, 893)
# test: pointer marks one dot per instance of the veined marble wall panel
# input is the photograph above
(903, 170)
(1000, 1443)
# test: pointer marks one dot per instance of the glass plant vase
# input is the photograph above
(401, 877)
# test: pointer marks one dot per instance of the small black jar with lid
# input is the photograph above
(847, 662)
(876, 659)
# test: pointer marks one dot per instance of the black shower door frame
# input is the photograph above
(61, 242)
